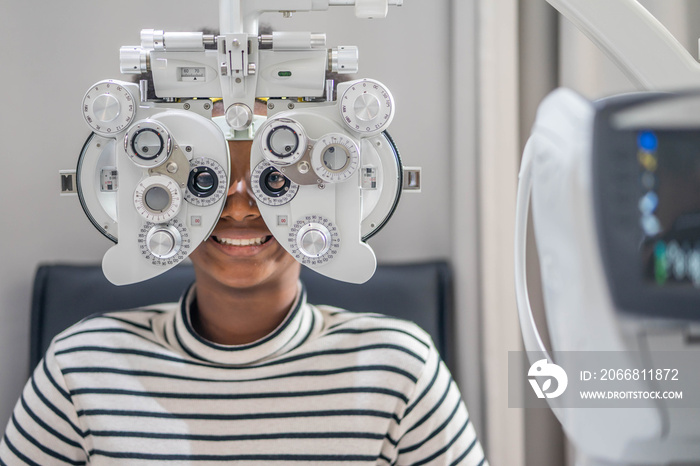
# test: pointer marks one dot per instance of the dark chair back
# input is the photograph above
(64, 294)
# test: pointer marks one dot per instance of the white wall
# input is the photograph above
(53, 51)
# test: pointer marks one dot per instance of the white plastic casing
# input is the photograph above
(193, 137)
(127, 262)
(303, 65)
(336, 206)
(344, 203)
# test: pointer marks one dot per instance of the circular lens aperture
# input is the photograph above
(147, 143)
(283, 141)
(335, 158)
(157, 198)
(270, 186)
(203, 181)
(274, 183)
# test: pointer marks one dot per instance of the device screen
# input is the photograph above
(669, 206)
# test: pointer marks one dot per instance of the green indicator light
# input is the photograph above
(284, 74)
(660, 263)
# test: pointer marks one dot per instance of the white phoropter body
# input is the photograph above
(343, 178)
(140, 180)
(153, 176)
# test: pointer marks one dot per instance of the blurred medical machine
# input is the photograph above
(153, 176)
(615, 193)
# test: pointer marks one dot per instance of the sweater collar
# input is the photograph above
(293, 330)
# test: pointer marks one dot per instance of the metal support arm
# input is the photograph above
(635, 41)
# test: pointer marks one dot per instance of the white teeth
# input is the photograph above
(241, 242)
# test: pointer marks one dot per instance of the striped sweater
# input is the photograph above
(326, 387)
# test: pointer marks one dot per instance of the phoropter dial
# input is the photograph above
(148, 144)
(158, 198)
(367, 107)
(166, 244)
(163, 241)
(314, 240)
(283, 141)
(108, 108)
(270, 186)
(335, 157)
(207, 182)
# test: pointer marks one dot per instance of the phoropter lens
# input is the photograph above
(203, 181)
(157, 198)
(147, 143)
(335, 158)
(274, 183)
(283, 141)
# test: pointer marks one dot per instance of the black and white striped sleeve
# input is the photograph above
(435, 427)
(44, 427)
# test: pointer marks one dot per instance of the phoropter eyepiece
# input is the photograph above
(203, 181)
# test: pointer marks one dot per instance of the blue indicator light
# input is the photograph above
(648, 203)
(647, 141)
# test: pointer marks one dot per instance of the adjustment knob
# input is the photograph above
(344, 59)
(133, 60)
(108, 107)
(367, 107)
(314, 240)
(163, 241)
(153, 39)
(239, 116)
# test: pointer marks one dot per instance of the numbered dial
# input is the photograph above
(148, 144)
(158, 198)
(163, 242)
(108, 108)
(314, 240)
(283, 141)
(367, 107)
(335, 157)
(207, 182)
(270, 186)
(164, 245)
